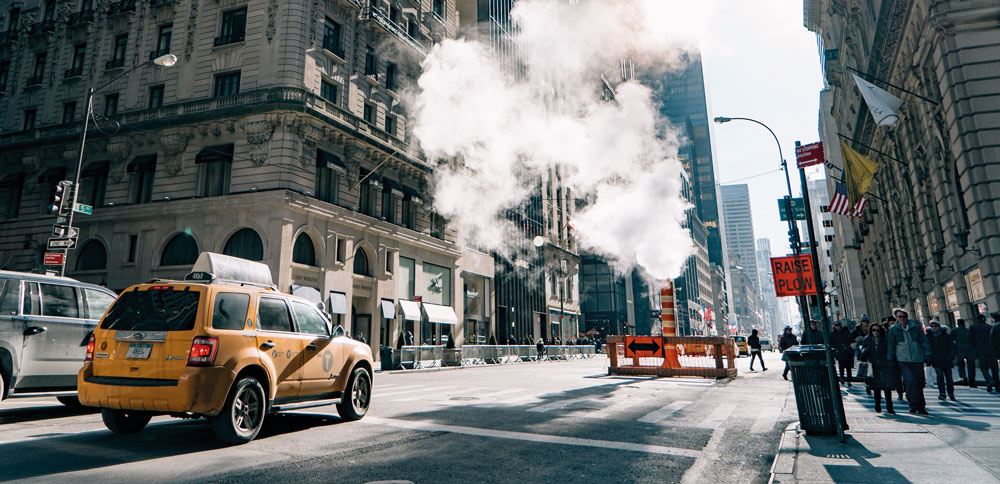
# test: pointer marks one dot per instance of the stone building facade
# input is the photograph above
(929, 240)
(280, 135)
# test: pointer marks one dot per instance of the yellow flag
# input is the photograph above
(860, 170)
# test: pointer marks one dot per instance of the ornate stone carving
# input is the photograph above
(174, 145)
(308, 134)
(70, 156)
(192, 24)
(259, 133)
(272, 13)
(119, 151)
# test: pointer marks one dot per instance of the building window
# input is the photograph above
(133, 247)
(370, 62)
(13, 19)
(409, 211)
(227, 84)
(328, 91)
(341, 255)
(327, 176)
(215, 164)
(390, 125)
(331, 37)
(828, 238)
(163, 39)
(142, 168)
(118, 52)
(234, 23)
(828, 223)
(366, 204)
(29, 118)
(245, 244)
(79, 54)
(303, 251)
(50, 11)
(182, 250)
(388, 203)
(369, 114)
(394, 14)
(39, 72)
(11, 187)
(361, 263)
(69, 112)
(390, 76)
(4, 75)
(92, 257)
(156, 97)
(93, 184)
(411, 27)
(111, 104)
(439, 9)
(437, 225)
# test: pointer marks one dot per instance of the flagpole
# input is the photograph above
(875, 79)
(852, 140)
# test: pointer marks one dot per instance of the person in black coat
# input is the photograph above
(840, 345)
(982, 351)
(754, 343)
(786, 341)
(813, 335)
(943, 352)
(883, 379)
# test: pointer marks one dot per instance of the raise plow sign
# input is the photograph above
(793, 275)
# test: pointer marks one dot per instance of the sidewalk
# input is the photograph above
(958, 442)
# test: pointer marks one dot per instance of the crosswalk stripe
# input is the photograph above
(395, 388)
(765, 420)
(720, 415)
(558, 404)
(664, 412)
(422, 394)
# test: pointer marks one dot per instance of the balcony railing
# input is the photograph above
(115, 63)
(81, 18)
(158, 53)
(73, 72)
(382, 20)
(42, 27)
(34, 81)
(122, 7)
(230, 39)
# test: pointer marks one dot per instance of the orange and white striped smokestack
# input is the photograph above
(668, 320)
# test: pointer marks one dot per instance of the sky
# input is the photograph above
(761, 63)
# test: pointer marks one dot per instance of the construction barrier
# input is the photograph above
(704, 356)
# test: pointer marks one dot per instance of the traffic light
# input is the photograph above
(58, 198)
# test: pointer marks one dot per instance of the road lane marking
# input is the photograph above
(720, 415)
(529, 437)
(394, 388)
(709, 455)
(766, 419)
(665, 412)
(560, 404)
(422, 391)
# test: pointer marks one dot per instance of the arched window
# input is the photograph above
(303, 251)
(245, 244)
(182, 250)
(92, 257)
(361, 263)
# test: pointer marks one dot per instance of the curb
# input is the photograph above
(783, 467)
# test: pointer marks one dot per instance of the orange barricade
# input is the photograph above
(704, 356)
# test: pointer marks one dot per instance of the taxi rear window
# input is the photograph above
(156, 309)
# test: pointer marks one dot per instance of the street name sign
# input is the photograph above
(643, 346)
(84, 209)
(809, 155)
(53, 258)
(61, 243)
(798, 208)
(793, 275)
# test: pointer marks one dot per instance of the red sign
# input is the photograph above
(643, 346)
(809, 155)
(793, 275)
(53, 258)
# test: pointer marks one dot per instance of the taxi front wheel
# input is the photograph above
(357, 396)
(124, 421)
(243, 416)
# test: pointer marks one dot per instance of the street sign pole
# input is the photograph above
(838, 408)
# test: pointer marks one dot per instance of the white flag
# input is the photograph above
(881, 103)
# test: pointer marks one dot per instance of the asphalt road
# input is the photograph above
(548, 422)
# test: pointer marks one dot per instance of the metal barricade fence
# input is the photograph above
(429, 356)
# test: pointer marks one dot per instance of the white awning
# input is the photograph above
(307, 292)
(338, 303)
(440, 314)
(388, 309)
(410, 310)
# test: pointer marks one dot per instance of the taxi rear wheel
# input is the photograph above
(124, 421)
(357, 395)
(243, 416)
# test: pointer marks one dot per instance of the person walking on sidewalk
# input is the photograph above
(812, 335)
(540, 348)
(908, 348)
(786, 341)
(840, 344)
(966, 364)
(982, 351)
(943, 351)
(754, 343)
(874, 350)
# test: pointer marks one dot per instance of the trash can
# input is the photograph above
(811, 383)
(390, 359)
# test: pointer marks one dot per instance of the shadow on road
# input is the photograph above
(43, 412)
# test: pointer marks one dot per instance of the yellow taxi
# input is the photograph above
(741, 346)
(223, 344)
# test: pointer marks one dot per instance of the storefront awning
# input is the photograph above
(308, 293)
(410, 310)
(388, 309)
(440, 314)
(338, 303)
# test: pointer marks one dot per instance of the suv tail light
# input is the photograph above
(203, 350)
(90, 348)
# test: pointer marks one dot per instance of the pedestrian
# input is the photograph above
(858, 335)
(540, 348)
(754, 343)
(597, 344)
(995, 341)
(360, 337)
(813, 335)
(840, 345)
(409, 338)
(966, 363)
(908, 348)
(943, 351)
(982, 351)
(786, 341)
(874, 350)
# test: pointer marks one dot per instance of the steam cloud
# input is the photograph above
(507, 131)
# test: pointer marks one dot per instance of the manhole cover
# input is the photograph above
(464, 399)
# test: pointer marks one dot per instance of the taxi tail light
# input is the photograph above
(90, 348)
(203, 350)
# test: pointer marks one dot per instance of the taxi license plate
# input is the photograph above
(139, 351)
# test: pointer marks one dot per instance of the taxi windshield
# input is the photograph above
(157, 309)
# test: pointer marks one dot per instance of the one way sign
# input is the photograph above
(643, 346)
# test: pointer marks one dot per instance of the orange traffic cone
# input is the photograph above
(669, 322)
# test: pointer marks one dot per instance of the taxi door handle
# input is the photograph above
(268, 345)
(311, 347)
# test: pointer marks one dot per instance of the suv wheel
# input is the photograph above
(124, 421)
(3, 385)
(243, 415)
(357, 395)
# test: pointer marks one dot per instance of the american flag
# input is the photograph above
(839, 203)
(859, 208)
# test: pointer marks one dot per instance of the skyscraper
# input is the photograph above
(742, 250)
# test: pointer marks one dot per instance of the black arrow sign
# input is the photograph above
(635, 347)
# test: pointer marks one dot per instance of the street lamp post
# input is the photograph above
(167, 60)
